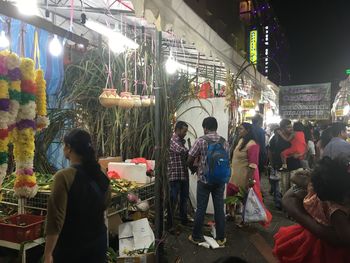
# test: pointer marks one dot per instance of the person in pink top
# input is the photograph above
(327, 201)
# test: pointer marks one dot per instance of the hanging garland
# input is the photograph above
(14, 75)
(4, 117)
(25, 183)
(22, 111)
(42, 121)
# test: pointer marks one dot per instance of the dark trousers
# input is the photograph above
(178, 188)
(95, 252)
(217, 193)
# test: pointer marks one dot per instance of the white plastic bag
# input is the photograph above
(253, 211)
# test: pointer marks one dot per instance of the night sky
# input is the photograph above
(319, 36)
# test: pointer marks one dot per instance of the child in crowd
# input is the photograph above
(298, 144)
(327, 200)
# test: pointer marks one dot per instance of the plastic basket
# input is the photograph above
(21, 228)
(38, 202)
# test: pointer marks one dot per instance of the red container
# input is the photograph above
(21, 228)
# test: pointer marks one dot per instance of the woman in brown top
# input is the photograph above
(75, 230)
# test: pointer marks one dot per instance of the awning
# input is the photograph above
(178, 16)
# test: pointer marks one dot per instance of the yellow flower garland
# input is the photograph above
(41, 93)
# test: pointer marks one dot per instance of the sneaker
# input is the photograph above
(222, 242)
(194, 241)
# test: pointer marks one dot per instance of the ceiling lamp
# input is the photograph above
(4, 42)
(171, 65)
(27, 7)
(113, 36)
(55, 47)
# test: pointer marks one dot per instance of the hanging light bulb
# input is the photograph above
(4, 42)
(171, 65)
(28, 7)
(346, 110)
(55, 47)
(116, 46)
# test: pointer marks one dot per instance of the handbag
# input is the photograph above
(253, 211)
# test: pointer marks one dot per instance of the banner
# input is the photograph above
(310, 102)
(253, 46)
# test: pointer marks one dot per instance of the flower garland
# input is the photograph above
(14, 76)
(42, 121)
(4, 117)
(25, 183)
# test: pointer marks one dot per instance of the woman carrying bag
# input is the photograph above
(245, 173)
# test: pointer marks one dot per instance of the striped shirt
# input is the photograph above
(177, 167)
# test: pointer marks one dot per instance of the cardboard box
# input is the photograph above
(114, 221)
(144, 258)
(105, 161)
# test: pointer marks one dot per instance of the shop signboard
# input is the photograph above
(253, 46)
(306, 102)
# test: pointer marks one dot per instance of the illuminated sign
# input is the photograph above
(347, 72)
(253, 46)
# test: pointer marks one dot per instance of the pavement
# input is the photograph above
(252, 244)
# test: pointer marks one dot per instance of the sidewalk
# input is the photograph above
(253, 244)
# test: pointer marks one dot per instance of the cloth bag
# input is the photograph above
(253, 211)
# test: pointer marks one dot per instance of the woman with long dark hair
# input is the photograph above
(75, 230)
(245, 172)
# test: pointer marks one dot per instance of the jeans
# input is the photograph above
(274, 179)
(217, 193)
(178, 187)
(277, 196)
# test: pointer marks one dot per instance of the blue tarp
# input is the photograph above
(52, 66)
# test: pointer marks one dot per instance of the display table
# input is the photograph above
(25, 246)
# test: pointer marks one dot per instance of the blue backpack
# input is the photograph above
(217, 170)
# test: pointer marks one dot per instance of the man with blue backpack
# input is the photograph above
(213, 173)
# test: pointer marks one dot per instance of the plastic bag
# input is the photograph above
(253, 211)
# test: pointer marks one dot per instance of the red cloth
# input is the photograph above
(298, 146)
(113, 175)
(206, 91)
(295, 244)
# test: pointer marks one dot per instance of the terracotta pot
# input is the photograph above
(145, 101)
(137, 101)
(153, 100)
(109, 98)
(126, 101)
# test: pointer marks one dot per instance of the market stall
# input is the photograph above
(120, 71)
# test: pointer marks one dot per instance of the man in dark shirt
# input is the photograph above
(276, 146)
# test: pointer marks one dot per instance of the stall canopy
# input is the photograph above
(184, 22)
(195, 43)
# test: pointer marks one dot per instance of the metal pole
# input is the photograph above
(159, 209)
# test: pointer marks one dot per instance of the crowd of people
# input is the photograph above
(308, 170)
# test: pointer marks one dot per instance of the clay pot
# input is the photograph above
(137, 101)
(126, 101)
(109, 98)
(145, 101)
